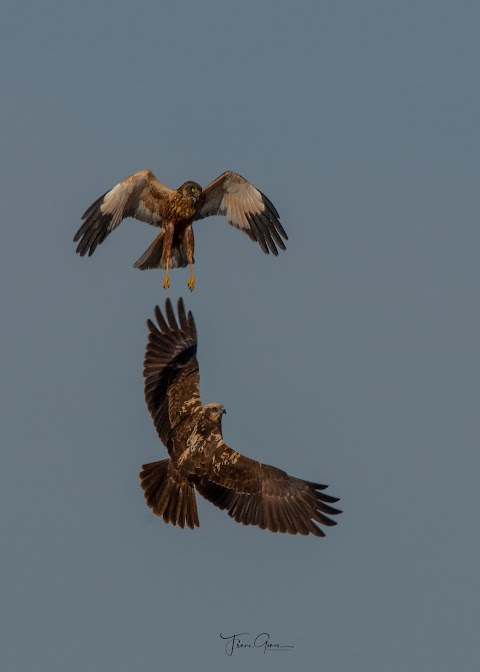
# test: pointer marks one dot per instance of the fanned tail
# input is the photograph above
(152, 257)
(168, 494)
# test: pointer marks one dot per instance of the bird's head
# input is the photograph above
(191, 190)
(214, 411)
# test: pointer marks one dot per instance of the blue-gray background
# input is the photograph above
(350, 359)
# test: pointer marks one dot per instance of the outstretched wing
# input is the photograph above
(258, 494)
(141, 196)
(246, 209)
(172, 379)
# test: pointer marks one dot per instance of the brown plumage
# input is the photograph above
(252, 493)
(143, 197)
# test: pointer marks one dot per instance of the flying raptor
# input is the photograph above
(143, 197)
(252, 493)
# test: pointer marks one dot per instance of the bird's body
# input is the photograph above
(143, 197)
(253, 493)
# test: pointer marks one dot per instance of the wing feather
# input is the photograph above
(258, 494)
(171, 373)
(140, 196)
(246, 209)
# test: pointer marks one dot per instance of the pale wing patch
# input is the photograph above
(242, 196)
(115, 202)
(236, 183)
(235, 213)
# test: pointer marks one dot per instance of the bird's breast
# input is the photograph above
(182, 210)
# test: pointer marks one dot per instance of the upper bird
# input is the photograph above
(253, 493)
(143, 197)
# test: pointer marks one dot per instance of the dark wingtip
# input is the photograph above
(318, 531)
(257, 233)
(329, 498)
(170, 313)
(162, 324)
(270, 206)
(318, 486)
(167, 321)
(152, 327)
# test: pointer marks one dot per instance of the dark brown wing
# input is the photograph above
(140, 196)
(258, 494)
(246, 209)
(171, 374)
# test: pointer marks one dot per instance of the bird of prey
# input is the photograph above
(252, 493)
(143, 197)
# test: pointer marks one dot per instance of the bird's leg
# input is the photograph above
(188, 237)
(191, 282)
(166, 282)
(167, 249)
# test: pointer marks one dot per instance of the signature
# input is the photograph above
(261, 641)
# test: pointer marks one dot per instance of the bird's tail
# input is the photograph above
(168, 494)
(152, 257)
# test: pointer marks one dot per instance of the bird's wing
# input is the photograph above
(172, 379)
(258, 494)
(246, 209)
(140, 196)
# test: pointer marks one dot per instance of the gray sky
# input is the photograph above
(351, 359)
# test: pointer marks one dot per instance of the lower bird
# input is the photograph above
(252, 493)
(143, 197)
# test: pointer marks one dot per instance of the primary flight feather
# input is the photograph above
(252, 493)
(143, 197)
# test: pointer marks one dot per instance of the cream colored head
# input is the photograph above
(214, 411)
